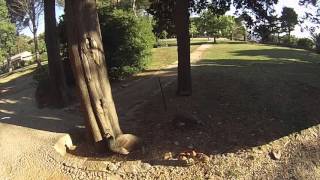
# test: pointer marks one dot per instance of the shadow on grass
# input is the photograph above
(297, 55)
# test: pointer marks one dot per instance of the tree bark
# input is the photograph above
(89, 67)
(182, 23)
(58, 85)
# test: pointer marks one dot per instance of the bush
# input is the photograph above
(305, 43)
(127, 40)
(292, 41)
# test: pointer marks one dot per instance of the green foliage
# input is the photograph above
(316, 40)
(23, 43)
(289, 19)
(289, 41)
(217, 26)
(305, 43)
(193, 29)
(7, 33)
(127, 39)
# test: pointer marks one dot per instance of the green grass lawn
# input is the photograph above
(163, 56)
(231, 51)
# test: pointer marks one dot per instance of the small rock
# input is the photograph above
(146, 166)
(112, 167)
(176, 143)
(193, 154)
(203, 158)
(167, 156)
(276, 155)
(190, 161)
(183, 158)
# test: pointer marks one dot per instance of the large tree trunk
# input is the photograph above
(182, 22)
(57, 78)
(89, 67)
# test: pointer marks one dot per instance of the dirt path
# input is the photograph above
(28, 133)
(130, 96)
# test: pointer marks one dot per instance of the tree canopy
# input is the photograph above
(289, 19)
(7, 31)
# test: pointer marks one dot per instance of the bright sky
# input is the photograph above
(59, 12)
(282, 3)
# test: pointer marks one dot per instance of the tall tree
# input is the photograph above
(26, 13)
(289, 19)
(173, 16)
(217, 25)
(88, 63)
(58, 86)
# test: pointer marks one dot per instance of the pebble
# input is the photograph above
(112, 167)
(183, 158)
(203, 158)
(276, 155)
(146, 166)
(167, 156)
(193, 154)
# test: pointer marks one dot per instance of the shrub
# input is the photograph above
(305, 43)
(127, 40)
(292, 41)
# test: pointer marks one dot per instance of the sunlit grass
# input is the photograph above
(258, 52)
(164, 56)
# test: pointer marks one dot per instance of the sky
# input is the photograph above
(300, 10)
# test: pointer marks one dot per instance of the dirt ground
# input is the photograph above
(245, 120)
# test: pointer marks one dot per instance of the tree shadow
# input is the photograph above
(18, 107)
(285, 54)
(236, 105)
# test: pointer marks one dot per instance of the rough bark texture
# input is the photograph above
(182, 22)
(88, 63)
(58, 86)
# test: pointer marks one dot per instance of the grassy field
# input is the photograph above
(162, 57)
(258, 52)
